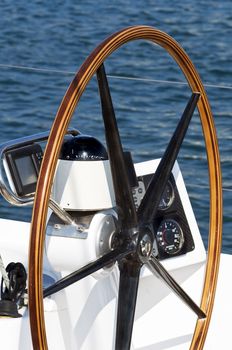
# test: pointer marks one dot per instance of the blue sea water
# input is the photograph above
(55, 37)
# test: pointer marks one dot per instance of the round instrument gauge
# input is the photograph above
(167, 197)
(170, 238)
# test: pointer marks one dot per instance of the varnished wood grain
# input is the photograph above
(63, 117)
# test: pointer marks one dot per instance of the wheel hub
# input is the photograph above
(145, 246)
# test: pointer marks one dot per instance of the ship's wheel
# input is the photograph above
(135, 232)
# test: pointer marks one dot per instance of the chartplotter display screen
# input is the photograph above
(23, 167)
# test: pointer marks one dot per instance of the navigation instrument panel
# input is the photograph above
(23, 164)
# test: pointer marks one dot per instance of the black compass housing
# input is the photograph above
(83, 148)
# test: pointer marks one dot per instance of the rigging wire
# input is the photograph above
(121, 77)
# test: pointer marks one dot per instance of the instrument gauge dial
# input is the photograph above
(170, 238)
(167, 197)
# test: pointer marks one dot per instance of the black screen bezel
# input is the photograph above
(34, 152)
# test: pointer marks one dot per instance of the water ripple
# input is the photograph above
(59, 35)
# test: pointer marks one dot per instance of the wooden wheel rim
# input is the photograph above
(61, 122)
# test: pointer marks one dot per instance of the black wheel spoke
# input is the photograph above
(88, 269)
(149, 204)
(128, 288)
(123, 194)
(157, 268)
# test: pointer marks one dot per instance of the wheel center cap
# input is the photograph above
(145, 246)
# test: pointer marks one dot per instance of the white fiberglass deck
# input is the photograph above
(83, 316)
